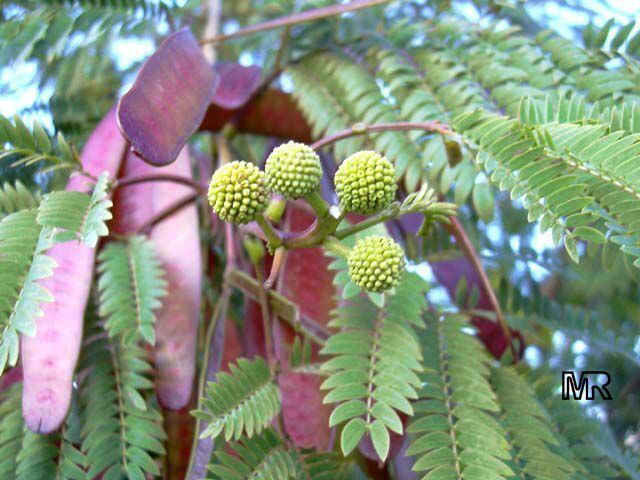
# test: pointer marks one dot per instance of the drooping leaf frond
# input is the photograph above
(262, 457)
(23, 263)
(122, 432)
(454, 432)
(79, 215)
(574, 427)
(623, 40)
(529, 429)
(550, 193)
(30, 146)
(526, 312)
(324, 466)
(15, 197)
(131, 286)
(241, 402)
(373, 364)
(588, 71)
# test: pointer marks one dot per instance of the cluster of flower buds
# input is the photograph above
(365, 184)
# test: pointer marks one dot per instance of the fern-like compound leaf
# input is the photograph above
(27, 455)
(324, 466)
(454, 432)
(131, 286)
(242, 402)
(32, 146)
(49, 456)
(373, 364)
(15, 197)
(262, 457)
(574, 429)
(122, 434)
(529, 429)
(79, 215)
(23, 263)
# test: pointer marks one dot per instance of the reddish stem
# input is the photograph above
(361, 129)
(308, 16)
(166, 213)
(160, 177)
(463, 241)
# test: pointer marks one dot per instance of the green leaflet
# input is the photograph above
(80, 216)
(131, 286)
(15, 197)
(22, 264)
(241, 402)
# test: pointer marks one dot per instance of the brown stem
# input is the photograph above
(463, 241)
(160, 177)
(277, 62)
(166, 213)
(308, 16)
(361, 129)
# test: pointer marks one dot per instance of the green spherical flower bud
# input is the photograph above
(365, 183)
(376, 263)
(293, 170)
(238, 192)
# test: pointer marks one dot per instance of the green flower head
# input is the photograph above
(365, 183)
(238, 192)
(293, 170)
(376, 263)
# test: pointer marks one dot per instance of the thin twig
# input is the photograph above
(283, 308)
(284, 37)
(308, 16)
(263, 300)
(382, 217)
(214, 348)
(160, 177)
(167, 212)
(463, 241)
(362, 128)
(276, 267)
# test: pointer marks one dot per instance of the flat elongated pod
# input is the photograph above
(49, 357)
(177, 245)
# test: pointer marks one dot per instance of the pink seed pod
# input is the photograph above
(177, 245)
(49, 357)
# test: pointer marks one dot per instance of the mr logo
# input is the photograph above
(587, 386)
